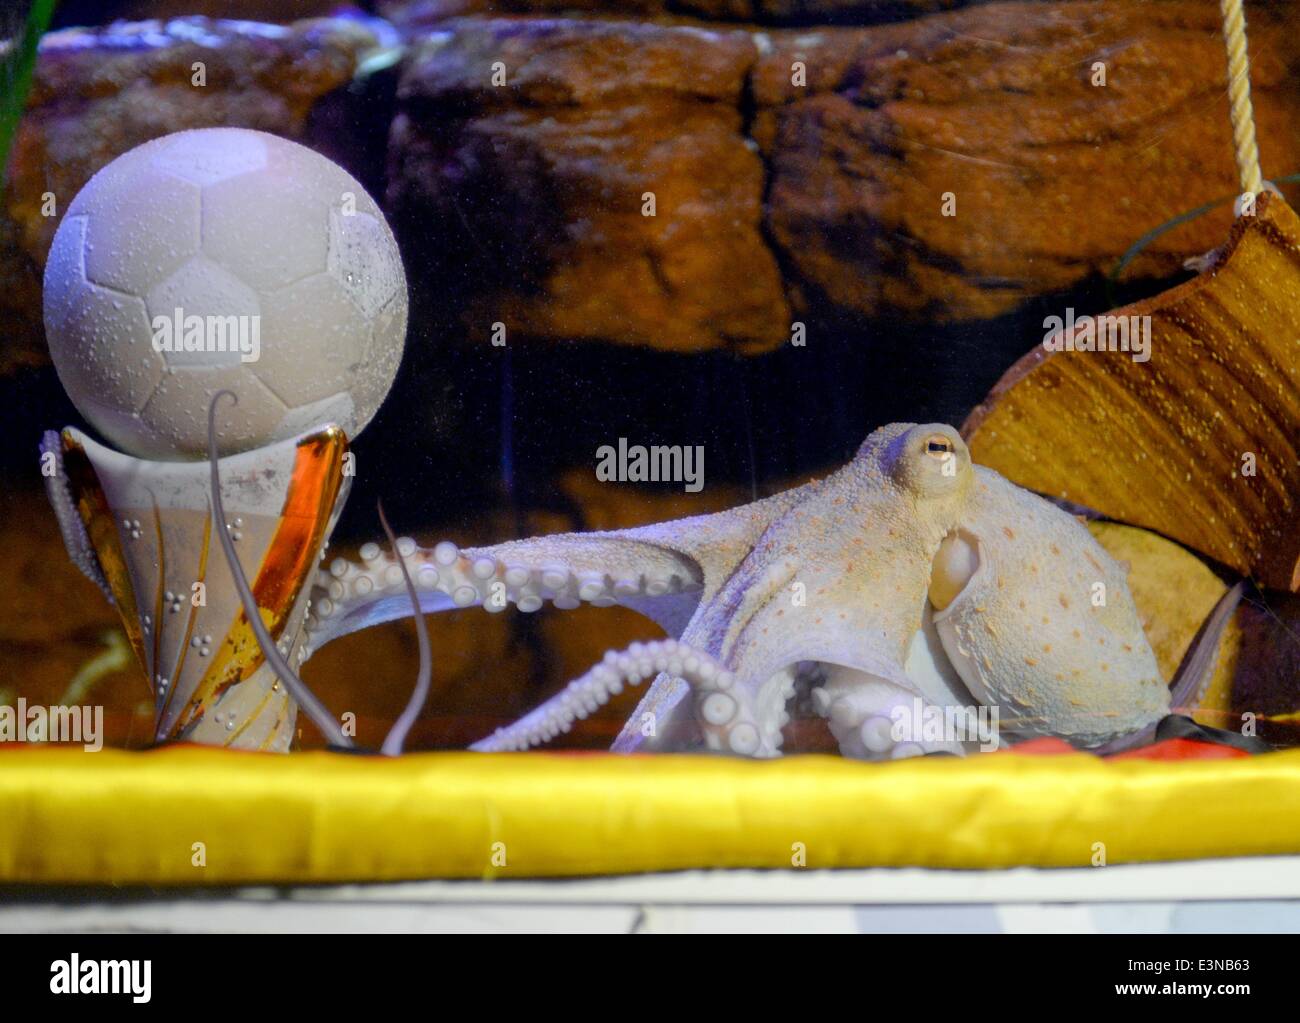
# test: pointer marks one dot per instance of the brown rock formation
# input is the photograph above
(1053, 177)
(863, 133)
(537, 190)
(796, 172)
(98, 93)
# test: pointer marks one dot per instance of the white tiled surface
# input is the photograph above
(1229, 896)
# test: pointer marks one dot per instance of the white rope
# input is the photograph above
(1240, 109)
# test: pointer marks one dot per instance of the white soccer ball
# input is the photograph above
(216, 259)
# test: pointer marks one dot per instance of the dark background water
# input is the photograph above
(466, 428)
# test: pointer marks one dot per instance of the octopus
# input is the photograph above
(909, 581)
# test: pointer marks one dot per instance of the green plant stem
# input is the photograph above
(17, 69)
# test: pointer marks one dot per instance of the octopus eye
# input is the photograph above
(938, 446)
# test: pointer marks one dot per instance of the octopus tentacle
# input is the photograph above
(525, 573)
(745, 719)
(396, 737)
(594, 689)
(71, 527)
(1192, 679)
(663, 571)
(861, 710)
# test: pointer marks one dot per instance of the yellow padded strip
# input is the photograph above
(121, 817)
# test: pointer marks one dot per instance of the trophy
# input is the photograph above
(209, 261)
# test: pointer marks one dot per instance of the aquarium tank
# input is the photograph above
(768, 448)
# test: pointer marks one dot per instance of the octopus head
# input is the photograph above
(930, 462)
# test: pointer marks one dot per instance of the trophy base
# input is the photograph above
(144, 531)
